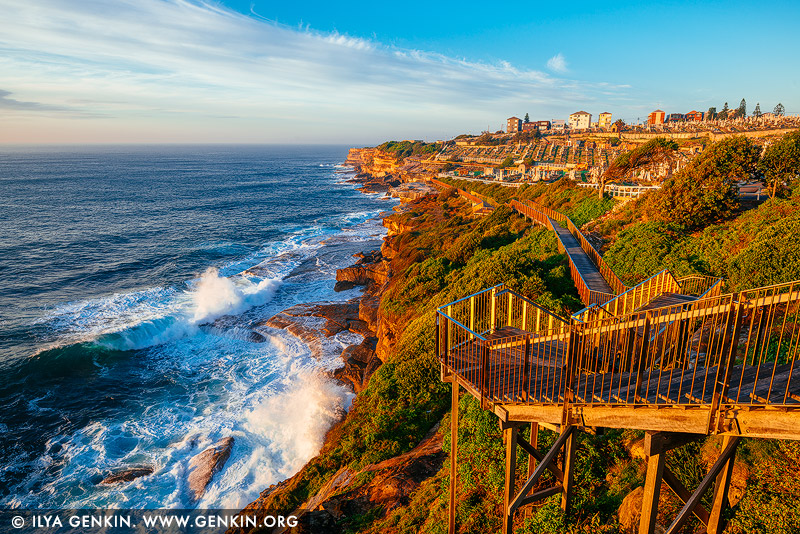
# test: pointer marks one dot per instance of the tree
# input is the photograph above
(711, 114)
(757, 111)
(618, 125)
(706, 190)
(508, 162)
(652, 153)
(724, 113)
(527, 119)
(527, 136)
(742, 111)
(780, 164)
(778, 109)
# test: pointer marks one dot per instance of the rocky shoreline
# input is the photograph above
(394, 479)
(311, 323)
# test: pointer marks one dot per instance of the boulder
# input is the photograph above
(127, 475)
(343, 285)
(359, 364)
(203, 466)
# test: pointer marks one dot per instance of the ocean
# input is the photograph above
(133, 280)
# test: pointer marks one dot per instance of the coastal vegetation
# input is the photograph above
(404, 149)
(441, 252)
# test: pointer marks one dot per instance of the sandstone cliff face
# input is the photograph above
(395, 227)
(392, 481)
(373, 161)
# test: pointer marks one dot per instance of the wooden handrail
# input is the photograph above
(631, 358)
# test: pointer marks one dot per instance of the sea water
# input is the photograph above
(134, 282)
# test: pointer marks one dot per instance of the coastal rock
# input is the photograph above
(391, 484)
(362, 352)
(359, 364)
(203, 466)
(388, 248)
(368, 311)
(373, 256)
(364, 275)
(127, 475)
(413, 191)
(339, 316)
(344, 285)
(370, 270)
(395, 227)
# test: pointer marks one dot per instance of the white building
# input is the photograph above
(580, 120)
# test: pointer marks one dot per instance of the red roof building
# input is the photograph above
(694, 116)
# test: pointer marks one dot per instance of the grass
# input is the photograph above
(448, 254)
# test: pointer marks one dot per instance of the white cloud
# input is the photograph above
(199, 69)
(557, 63)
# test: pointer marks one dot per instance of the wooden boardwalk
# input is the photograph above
(587, 269)
(673, 357)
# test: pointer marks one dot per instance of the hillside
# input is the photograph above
(384, 468)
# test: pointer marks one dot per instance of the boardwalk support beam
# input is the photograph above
(565, 441)
(656, 445)
(724, 462)
(451, 521)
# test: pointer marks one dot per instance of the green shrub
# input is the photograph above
(773, 257)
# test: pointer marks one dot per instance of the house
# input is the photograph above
(694, 116)
(676, 117)
(536, 125)
(557, 124)
(580, 120)
(604, 120)
(656, 117)
(513, 125)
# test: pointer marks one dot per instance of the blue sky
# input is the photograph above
(362, 72)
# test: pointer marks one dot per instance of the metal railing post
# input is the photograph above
(493, 309)
(642, 359)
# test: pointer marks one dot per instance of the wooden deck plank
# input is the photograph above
(594, 280)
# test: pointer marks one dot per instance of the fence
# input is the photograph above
(469, 339)
(644, 292)
(588, 296)
(605, 271)
(734, 349)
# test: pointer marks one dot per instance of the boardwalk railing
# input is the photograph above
(467, 337)
(701, 285)
(540, 213)
(642, 293)
(733, 349)
(588, 296)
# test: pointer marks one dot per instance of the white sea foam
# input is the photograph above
(214, 296)
(273, 397)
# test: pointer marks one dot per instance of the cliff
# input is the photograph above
(373, 161)
(383, 468)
